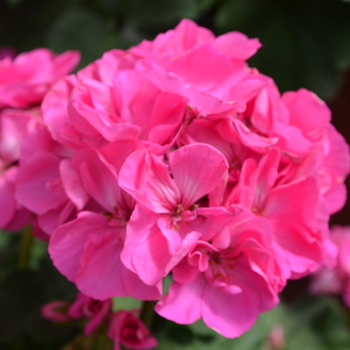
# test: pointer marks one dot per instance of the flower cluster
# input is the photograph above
(24, 80)
(176, 157)
(335, 280)
(123, 327)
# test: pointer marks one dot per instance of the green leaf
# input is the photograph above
(126, 303)
(305, 43)
(81, 29)
(149, 18)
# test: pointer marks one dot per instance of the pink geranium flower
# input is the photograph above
(167, 219)
(227, 287)
(88, 247)
(172, 157)
(25, 79)
(127, 329)
(55, 311)
(95, 311)
(336, 280)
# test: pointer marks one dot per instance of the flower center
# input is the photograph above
(179, 213)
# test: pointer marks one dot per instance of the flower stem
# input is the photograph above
(25, 248)
(147, 312)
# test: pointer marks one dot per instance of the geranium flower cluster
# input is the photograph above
(335, 280)
(174, 157)
(24, 80)
(123, 326)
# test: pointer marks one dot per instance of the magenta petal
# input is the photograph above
(266, 178)
(100, 261)
(186, 245)
(237, 45)
(68, 241)
(64, 63)
(229, 314)
(183, 303)
(148, 180)
(7, 198)
(54, 217)
(39, 187)
(98, 178)
(204, 67)
(197, 169)
(138, 289)
(72, 184)
(210, 221)
(146, 250)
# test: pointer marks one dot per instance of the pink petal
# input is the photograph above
(7, 197)
(72, 184)
(237, 45)
(68, 241)
(39, 187)
(100, 262)
(184, 302)
(197, 169)
(146, 251)
(229, 314)
(148, 180)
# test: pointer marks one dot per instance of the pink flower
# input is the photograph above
(127, 329)
(336, 280)
(15, 125)
(275, 339)
(13, 216)
(187, 36)
(95, 311)
(227, 287)
(7, 52)
(174, 157)
(55, 311)
(167, 219)
(88, 248)
(296, 222)
(25, 79)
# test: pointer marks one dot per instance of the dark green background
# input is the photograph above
(306, 43)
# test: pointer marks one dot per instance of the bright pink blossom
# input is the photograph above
(95, 311)
(88, 247)
(167, 219)
(175, 157)
(336, 280)
(25, 79)
(128, 330)
(296, 222)
(55, 311)
(227, 287)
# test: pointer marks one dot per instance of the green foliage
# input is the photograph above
(83, 30)
(304, 42)
(23, 292)
(308, 323)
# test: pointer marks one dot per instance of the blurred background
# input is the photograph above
(306, 43)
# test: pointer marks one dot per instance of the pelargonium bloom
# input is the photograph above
(25, 79)
(176, 157)
(168, 219)
(55, 311)
(127, 329)
(336, 280)
(227, 287)
(89, 246)
(95, 311)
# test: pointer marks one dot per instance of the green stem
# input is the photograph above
(25, 248)
(147, 313)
